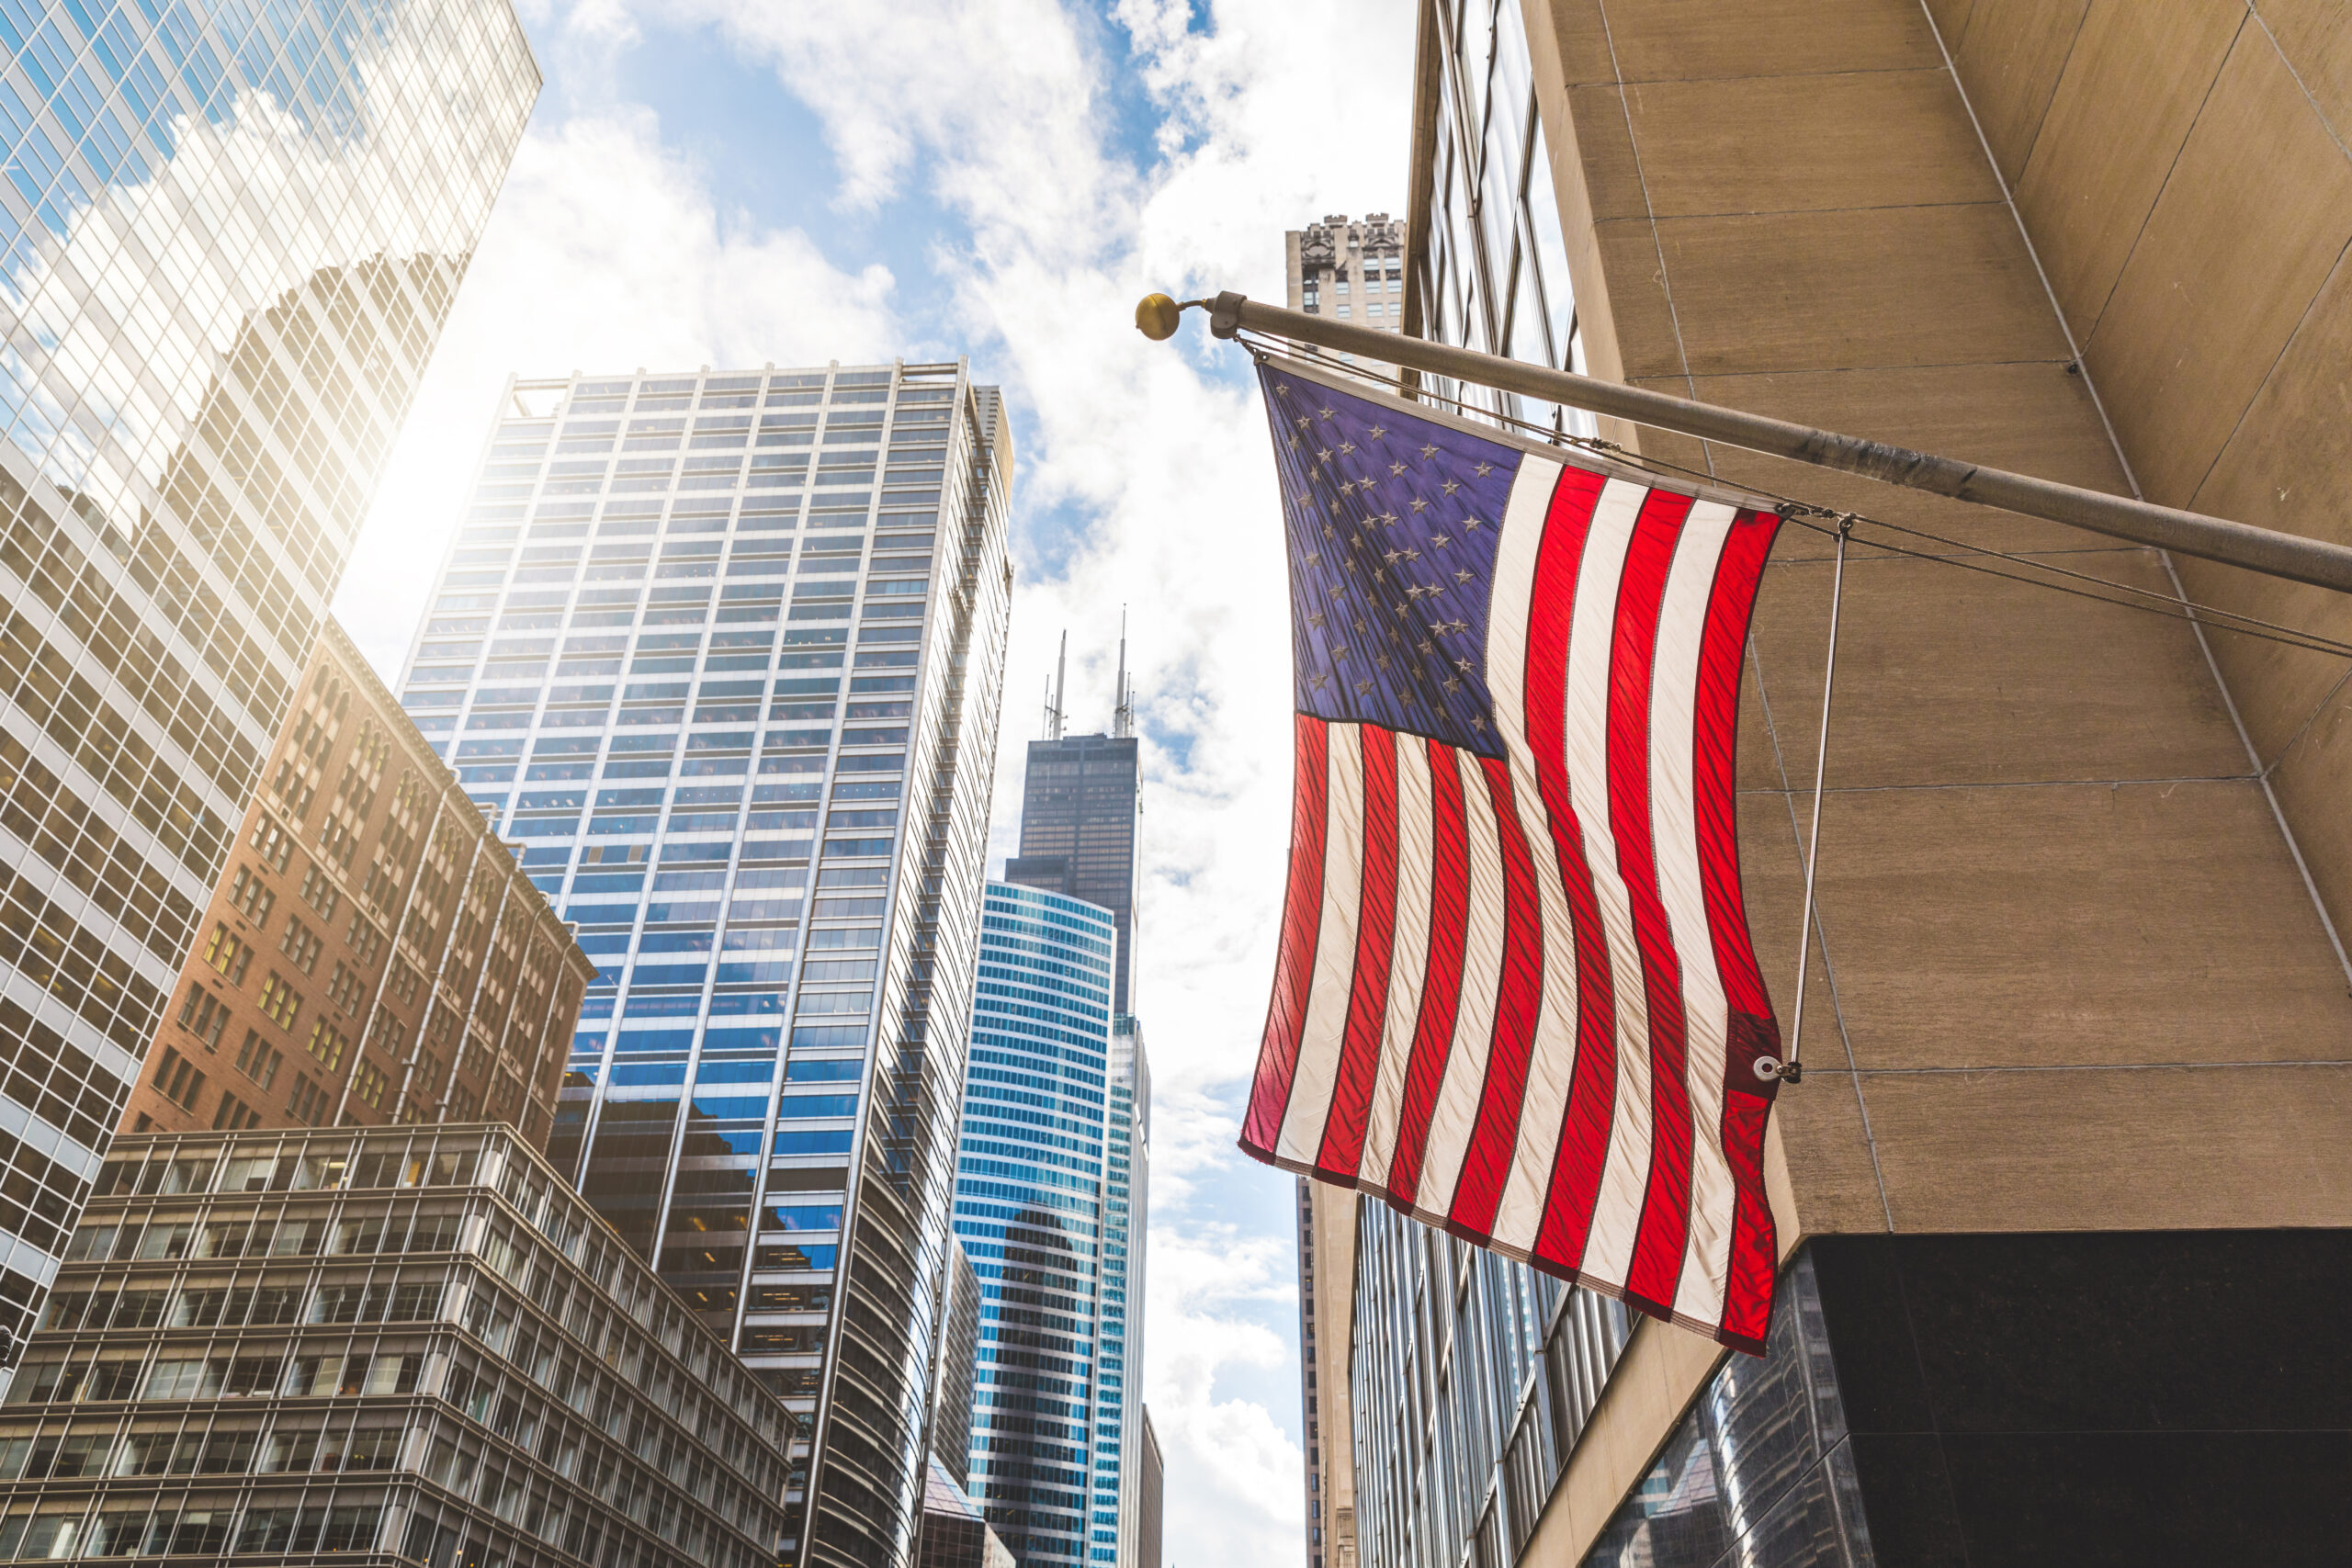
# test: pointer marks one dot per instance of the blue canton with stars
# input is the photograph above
(1392, 521)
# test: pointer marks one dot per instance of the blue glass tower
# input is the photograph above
(1050, 1205)
(721, 653)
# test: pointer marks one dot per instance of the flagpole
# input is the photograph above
(2265, 550)
(1792, 1071)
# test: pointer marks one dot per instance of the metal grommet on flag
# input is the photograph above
(1515, 993)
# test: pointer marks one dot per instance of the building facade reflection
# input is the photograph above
(228, 242)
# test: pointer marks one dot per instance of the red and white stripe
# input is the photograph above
(1516, 997)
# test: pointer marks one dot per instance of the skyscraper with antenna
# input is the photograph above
(1054, 711)
(1123, 711)
(1079, 810)
(1054, 1220)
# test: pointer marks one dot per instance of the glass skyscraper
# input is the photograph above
(229, 236)
(722, 652)
(1049, 1205)
(1077, 833)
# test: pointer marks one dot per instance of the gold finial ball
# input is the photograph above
(1155, 317)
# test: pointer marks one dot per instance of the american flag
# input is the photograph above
(1515, 993)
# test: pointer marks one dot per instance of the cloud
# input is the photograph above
(605, 252)
(1066, 161)
(1233, 1469)
(997, 100)
(1146, 483)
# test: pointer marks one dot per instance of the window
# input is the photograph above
(275, 845)
(250, 898)
(234, 1114)
(257, 1060)
(326, 1043)
(301, 944)
(309, 1101)
(204, 1015)
(343, 989)
(339, 838)
(177, 1080)
(406, 980)
(369, 1085)
(317, 891)
(365, 939)
(228, 953)
(279, 1002)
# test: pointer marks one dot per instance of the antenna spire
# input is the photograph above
(1123, 716)
(1054, 709)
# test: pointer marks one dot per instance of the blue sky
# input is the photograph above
(741, 182)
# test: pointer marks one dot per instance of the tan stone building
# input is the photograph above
(372, 954)
(2065, 1196)
(1350, 271)
(1327, 1270)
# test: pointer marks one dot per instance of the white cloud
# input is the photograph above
(1003, 112)
(605, 252)
(1277, 112)
(1070, 163)
(1233, 1469)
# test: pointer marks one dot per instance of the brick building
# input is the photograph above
(372, 952)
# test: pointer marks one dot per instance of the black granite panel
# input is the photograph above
(2134, 1331)
(1991, 1401)
(1675, 1518)
(1869, 1327)
(1758, 1418)
(1913, 1519)
(2090, 1500)
(2081, 1399)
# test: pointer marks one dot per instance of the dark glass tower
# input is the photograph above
(1078, 805)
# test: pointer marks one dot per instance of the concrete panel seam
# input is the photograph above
(2149, 215)
(2309, 719)
(2015, 784)
(2303, 868)
(1650, 212)
(2080, 1067)
(2254, 9)
(2073, 349)
(2024, 160)
(1821, 943)
(2285, 348)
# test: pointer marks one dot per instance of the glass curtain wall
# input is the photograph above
(1044, 1207)
(1118, 1401)
(1471, 1375)
(721, 652)
(1079, 832)
(1489, 269)
(1471, 1378)
(229, 236)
